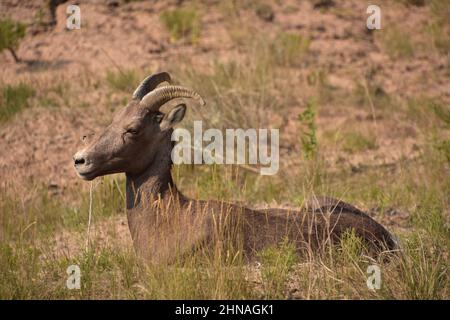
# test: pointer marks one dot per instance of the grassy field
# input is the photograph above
(386, 151)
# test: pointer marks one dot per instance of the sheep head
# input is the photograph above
(137, 133)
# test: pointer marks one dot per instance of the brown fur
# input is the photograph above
(164, 224)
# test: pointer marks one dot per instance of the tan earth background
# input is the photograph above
(378, 138)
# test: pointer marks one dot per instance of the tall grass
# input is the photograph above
(122, 80)
(276, 265)
(397, 43)
(42, 214)
(32, 270)
(13, 99)
(246, 92)
(251, 91)
(182, 23)
(357, 141)
(308, 138)
(438, 28)
(290, 48)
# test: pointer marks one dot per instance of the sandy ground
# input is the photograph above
(37, 146)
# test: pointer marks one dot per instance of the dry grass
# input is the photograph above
(43, 229)
(182, 23)
(14, 99)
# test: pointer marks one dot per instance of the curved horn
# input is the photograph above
(150, 83)
(156, 98)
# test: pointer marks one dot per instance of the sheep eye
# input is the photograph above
(132, 131)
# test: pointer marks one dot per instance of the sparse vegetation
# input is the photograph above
(289, 48)
(182, 23)
(444, 148)
(13, 99)
(11, 32)
(428, 111)
(439, 36)
(255, 79)
(438, 28)
(265, 12)
(124, 81)
(397, 43)
(372, 96)
(356, 142)
(276, 265)
(43, 214)
(308, 138)
(261, 79)
(424, 279)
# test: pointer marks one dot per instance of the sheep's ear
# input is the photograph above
(173, 117)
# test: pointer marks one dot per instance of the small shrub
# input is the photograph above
(351, 247)
(39, 17)
(324, 90)
(19, 266)
(444, 148)
(439, 36)
(11, 32)
(370, 94)
(438, 28)
(424, 269)
(428, 111)
(276, 264)
(356, 141)
(182, 23)
(288, 48)
(308, 124)
(125, 81)
(265, 12)
(13, 99)
(430, 214)
(440, 9)
(441, 112)
(398, 44)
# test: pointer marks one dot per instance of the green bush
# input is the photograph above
(308, 124)
(182, 23)
(276, 266)
(13, 99)
(11, 32)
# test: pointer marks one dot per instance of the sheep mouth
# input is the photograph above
(91, 172)
(87, 174)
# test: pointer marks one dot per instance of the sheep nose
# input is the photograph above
(79, 159)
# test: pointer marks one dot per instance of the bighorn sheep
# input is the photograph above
(164, 223)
